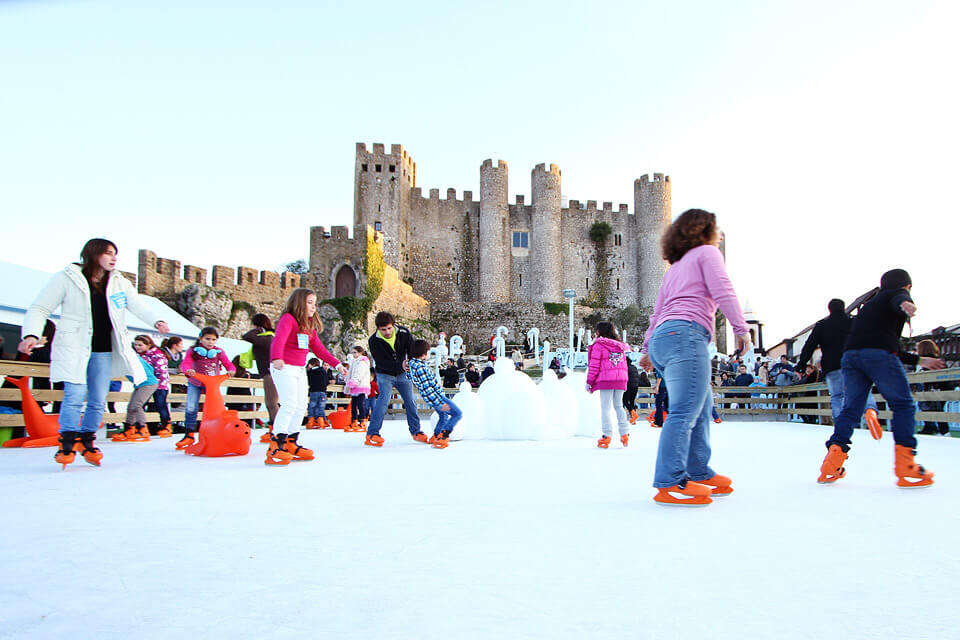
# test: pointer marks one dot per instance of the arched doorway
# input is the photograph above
(345, 284)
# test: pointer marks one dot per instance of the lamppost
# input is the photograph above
(570, 294)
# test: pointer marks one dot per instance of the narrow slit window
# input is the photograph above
(378, 168)
(363, 167)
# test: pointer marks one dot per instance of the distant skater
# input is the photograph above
(607, 374)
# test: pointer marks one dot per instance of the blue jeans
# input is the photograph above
(448, 419)
(193, 407)
(405, 389)
(160, 399)
(316, 408)
(835, 387)
(862, 368)
(94, 391)
(678, 349)
(714, 412)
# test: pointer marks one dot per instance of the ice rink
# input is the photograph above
(485, 539)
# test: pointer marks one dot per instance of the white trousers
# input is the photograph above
(292, 393)
(613, 397)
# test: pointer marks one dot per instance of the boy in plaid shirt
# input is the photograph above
(427, 383)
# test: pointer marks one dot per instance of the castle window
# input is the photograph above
(199, 279)
(521, 279)
(363, 167)
(588, 283)
(378, 168)
(250, 278)
(617, 240)
(521, 239)
(618, 284)
(393, 168)
(378, 226)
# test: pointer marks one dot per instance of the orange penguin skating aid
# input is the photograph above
(221, 432)
(42, 428)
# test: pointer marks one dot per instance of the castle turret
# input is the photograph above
(495, 259)
(545, 254)
(652, 209)
(382, 183)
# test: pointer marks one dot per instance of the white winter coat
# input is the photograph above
(72, 344)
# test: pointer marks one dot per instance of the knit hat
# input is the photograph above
(895, 279)
(836, 306)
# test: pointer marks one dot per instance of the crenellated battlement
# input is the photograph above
(591, 207)
(645, 180)
(542, 168)
(416, 193)
(488, 164)
(164, 277)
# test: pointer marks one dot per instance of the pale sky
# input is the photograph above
(823, 134)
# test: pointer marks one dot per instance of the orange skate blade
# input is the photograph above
(919, 483)
(830, 478)
(93, 458)
(373, 441)
(873, 423)
(669, 499)
(270, 461)
(625, 440)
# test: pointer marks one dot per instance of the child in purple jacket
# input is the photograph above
(607, 373)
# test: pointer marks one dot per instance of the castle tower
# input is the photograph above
(545, 254)
(495, 259)
(381, 198)
(652, 209)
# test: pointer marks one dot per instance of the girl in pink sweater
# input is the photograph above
(297, 333)
(607, 373)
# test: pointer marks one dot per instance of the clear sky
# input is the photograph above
(824, 134)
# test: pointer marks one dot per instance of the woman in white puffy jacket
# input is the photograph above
(92, 344)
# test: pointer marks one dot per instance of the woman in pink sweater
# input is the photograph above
(296, 334)
(607, 373)
(681, 328)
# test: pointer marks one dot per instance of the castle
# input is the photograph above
(456, 264)
(491, 251)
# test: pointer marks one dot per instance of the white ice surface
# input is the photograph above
(516, 539)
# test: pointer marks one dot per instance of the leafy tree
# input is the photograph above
(297, 266)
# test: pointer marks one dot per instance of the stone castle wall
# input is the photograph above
(398, 298)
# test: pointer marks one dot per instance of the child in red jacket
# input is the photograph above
(607, 373)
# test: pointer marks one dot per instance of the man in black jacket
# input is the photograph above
(390, 348)
(830, 335)
(450, 375)
(872, 355)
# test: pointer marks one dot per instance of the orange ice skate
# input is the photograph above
(625, 439)
(142, 434)
(721, 485)
(692, 494)
(276, 455)
(439, 441)
(634, 416)
(312, 423)
(91, 454)
(873, 423)
(65, 454)
(905, 467)
(266, 437)
(420, 436)
(293, 447)
(373, 441)
(188, 439)
(129, 434)
(164, 431)
(832, 468)
(603, 442)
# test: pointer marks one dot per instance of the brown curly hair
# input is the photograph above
(693, 228)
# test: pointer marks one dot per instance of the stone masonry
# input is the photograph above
(457, 249)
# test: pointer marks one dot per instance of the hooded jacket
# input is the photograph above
(830, 335)
(607, 368)
(70, 291)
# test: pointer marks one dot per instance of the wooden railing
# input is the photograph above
(814, 399)
(18, 369)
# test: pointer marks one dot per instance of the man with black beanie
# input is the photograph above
(830, 335)
(872, 356)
